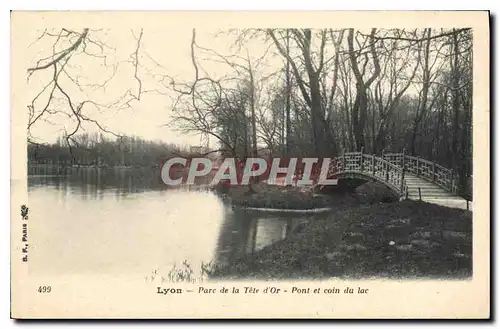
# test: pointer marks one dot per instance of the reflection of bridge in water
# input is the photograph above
(408, 177)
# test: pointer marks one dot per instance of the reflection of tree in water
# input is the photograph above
(93, 183)
(245, 232)
(241, 232)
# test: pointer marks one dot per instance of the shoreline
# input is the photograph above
(300, 211)
(407, 239)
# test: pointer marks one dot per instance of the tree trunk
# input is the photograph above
(288, 92)
(455, 101)
(360, 110)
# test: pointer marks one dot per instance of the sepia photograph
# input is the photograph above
(187, 156)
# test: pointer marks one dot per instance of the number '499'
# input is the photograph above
(44, 289)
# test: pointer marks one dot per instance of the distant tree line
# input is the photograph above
(97, 149)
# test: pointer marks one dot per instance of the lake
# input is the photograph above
(122, 222)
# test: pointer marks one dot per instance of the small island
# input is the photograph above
(266, 197)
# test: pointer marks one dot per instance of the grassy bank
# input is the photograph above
(403, 239)
(289, 197)
(283, 199)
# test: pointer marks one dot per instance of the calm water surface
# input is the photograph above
(115, 222)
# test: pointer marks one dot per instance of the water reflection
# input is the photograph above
(245, 232)
(116, 223)
(93, 180)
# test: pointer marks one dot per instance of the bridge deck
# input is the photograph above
(433, 193)
(405, 175)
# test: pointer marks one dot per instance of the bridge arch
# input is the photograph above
(350, 180)
(401, 173)
(356, 168)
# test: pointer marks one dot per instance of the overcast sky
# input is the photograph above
(162, 52)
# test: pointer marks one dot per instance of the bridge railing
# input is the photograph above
(352, 161)
(390, 173)
(394, 158)
(375, 166)
(425, 169)
(392, 167)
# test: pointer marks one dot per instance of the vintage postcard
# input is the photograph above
(250, 165)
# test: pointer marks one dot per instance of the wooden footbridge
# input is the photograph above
(407, 176)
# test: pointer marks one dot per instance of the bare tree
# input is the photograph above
(64, 92)
(314, 63)
(392, 73)
(360, 109)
